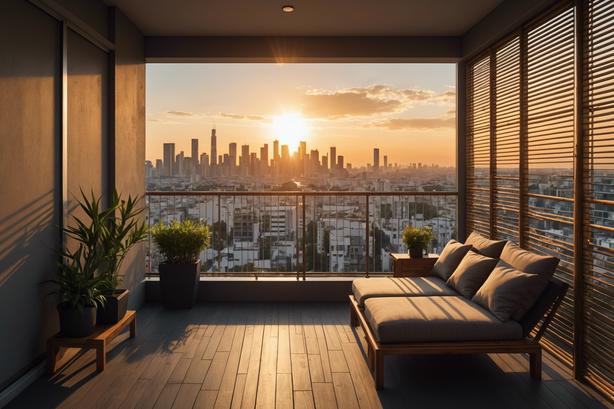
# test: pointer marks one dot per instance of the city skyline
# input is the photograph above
(397, 106)
(275, 161)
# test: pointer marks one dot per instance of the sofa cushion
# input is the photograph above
(364, 288)
(431, 319)
(529, 262)
(484, 246)
(450, 258)
(509, 293)
(471, 273)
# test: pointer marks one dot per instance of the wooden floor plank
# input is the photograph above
(214, 342)
(283, 394)
(224, 397)
(344, 391)
(363, 381)
(303, 400)
(216, 371)
(283, 350)
(301, 381)
(237, 395)
(197, 371)
(246, 349)
(337, 361)
(323, 353)
(180, 371)
(315, 368)
(187, 396)
(251, 383)
(267, 380)
(205, 399)
(324, 396)
(167, 397)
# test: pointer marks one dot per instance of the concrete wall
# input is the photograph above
(29, 206)
(129, 151)
(106, 147)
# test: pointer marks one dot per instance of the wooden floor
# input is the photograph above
(285, 356)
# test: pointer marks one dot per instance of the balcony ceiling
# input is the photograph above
(310, 18)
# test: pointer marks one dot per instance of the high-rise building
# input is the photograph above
(264, 156)
(195, 152)
(169, 159)
(385, 161)
(333, 157)
(325, 162)
(159, 168)
(204, 165)
(213, 147)
(244, 159)
(302, 149)
(232, 154)
(276, 150)
(179, 164)
(375, 158)
(340, 161)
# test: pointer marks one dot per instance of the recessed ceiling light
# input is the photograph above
(287, 9)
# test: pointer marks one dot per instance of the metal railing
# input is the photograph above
(296, 233)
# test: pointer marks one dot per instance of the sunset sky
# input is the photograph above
(407, 110)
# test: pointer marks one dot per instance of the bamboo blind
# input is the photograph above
(598, 97)
(540, 109)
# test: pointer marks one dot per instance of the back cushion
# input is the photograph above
(471, 273)
(450, 258)
(482, 245)
(529, 262)
(509, 293)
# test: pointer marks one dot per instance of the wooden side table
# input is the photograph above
(405, 266)
(99, 341)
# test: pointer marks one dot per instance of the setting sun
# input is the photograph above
(290, 128)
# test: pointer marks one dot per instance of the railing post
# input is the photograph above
(298, 269)
(219, 227)
(304, 241)
(367, 236)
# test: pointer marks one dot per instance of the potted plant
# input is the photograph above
(79, 291)
(417, 240)
(110, 232)
(180, 244)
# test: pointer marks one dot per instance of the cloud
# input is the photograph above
(179, 113)
(239, 116)
(396, 124)
(367, 101)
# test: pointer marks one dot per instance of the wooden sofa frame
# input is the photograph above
(542, 312)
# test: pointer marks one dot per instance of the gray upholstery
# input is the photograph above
(529, 262)
(509, 293)
(450, 258)
(365, 288)
(431, 319)
(471, 273)
(484, 246)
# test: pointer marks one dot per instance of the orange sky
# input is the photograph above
(407, 110)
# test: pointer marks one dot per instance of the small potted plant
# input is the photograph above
(110, 232)
(180, 244)
(79, 291)
(417, 240)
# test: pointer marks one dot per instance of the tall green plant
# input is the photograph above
(109, 232)
(181, 242)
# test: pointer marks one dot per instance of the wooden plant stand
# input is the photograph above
(99, 341)
(405, 266)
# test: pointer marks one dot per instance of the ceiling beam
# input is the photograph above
(302, 49)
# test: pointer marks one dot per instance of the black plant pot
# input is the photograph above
(114, 309)
(75, 323)
(415, 253)
(179, 284)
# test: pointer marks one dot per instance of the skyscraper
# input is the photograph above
(169, 159)
(264, 156)
(333, 157)
(276, 150)
(340, 162)
(244, 159)
(195, 152)
(232, 154)
(324, 162)
(375, 158)
(213, 148)
(385, 161)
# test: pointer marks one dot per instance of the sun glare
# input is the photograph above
(290, 128)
